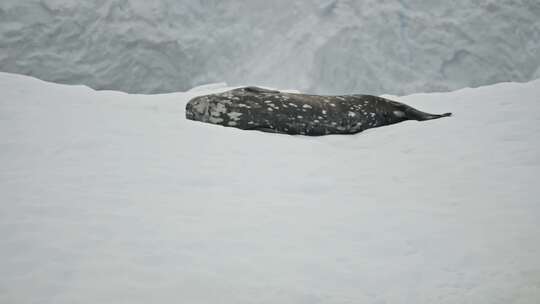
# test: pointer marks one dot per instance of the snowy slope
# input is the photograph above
(329, 46)
(107, 197)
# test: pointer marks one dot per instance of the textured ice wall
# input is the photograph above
(331, 46)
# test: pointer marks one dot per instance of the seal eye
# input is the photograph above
(399, 114)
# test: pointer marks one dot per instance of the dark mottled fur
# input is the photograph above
(253, 108)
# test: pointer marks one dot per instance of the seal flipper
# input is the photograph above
(260, 90)
(262, 128)
(415, 114)
(435, 116)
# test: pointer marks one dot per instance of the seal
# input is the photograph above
(254, 108)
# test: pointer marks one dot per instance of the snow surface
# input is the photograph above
(107, 197)
(325, 46)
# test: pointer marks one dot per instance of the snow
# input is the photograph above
(107, 197)
(323, 46)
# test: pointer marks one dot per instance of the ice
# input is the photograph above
(332, 47)
(107, 197)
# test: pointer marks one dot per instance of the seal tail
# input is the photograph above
(421, 116)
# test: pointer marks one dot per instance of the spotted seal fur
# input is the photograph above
(253, 108)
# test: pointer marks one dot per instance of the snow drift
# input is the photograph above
(107, 197)
(325, 46)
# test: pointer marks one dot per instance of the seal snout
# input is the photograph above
(196, 108)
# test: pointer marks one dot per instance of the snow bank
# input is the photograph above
(329, 46)
(107, 197)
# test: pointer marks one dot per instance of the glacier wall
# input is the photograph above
(325, 46)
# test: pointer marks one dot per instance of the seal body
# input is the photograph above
(253, 108)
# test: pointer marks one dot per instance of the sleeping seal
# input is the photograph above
(253, 108)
